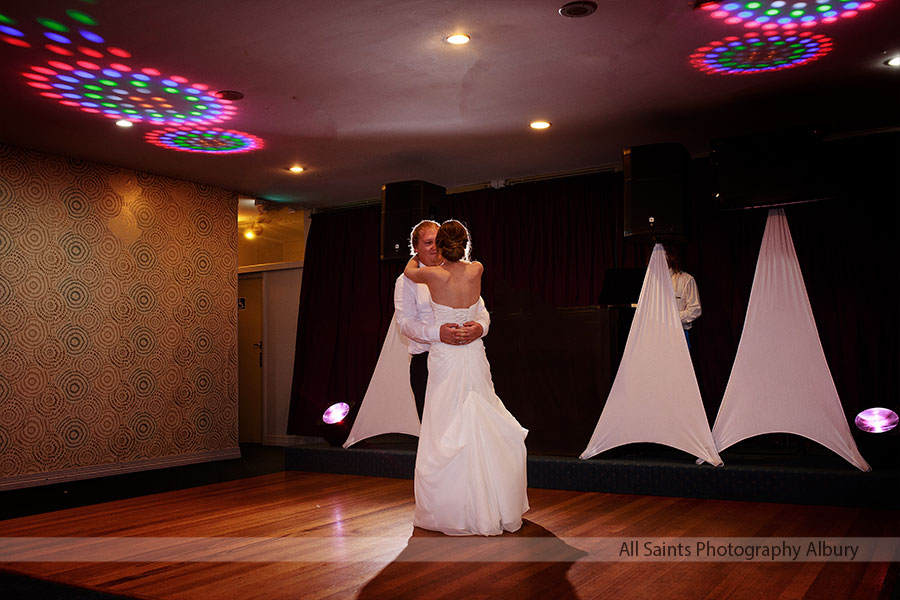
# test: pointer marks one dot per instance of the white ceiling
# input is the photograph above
(366, 92)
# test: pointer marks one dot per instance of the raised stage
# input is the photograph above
(774, 468)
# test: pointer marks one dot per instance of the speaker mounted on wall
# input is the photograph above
(657, 192)
(403, 205)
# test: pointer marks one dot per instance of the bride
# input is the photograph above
(470, 465)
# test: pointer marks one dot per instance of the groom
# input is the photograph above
(415, 317)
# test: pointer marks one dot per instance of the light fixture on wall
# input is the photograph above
(539, 124)
(254, 231)
(295, 169)
(458, 39)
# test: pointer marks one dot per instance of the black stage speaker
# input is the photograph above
(403, 204)
(657, 190)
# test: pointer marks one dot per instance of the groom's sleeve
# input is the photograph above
(482, 317)
(408, 317)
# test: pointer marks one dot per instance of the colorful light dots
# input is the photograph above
(59, 50)
(12, 41)
(90, 52)
(208, 141)
(137, 95)
(773, 14)
(52, 25)
(57, 37)
(90, 36)
(760, 52)
(125, 123)
(81, 17)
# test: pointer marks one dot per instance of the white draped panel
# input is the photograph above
(655, 397)
(780, 381)
(389, 405)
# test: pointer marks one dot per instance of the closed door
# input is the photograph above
(250, 359)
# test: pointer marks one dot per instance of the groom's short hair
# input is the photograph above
(417, 231)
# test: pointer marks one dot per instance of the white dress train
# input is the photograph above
(471, 461)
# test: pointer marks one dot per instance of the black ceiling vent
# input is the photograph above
(231, 95)
(577, 10)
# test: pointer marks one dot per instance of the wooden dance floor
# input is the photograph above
(274, 528)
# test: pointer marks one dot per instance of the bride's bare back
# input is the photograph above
(454, 284)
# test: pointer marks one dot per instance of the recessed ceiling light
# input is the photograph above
(893, 62)
(539, 124)
(459, 38)
(124, 123)
(295, 169)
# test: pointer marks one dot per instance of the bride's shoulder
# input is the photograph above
(476, 267)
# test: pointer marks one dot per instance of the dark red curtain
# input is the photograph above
(549, 243)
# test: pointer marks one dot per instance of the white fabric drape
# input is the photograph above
(655, 397)
(780, 381)
(389, 405)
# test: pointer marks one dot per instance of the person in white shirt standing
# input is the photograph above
(415, 317)
(687, 298)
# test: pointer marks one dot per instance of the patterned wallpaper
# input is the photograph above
(118, 320)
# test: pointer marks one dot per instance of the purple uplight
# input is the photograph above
(877, 420)
(337, 412)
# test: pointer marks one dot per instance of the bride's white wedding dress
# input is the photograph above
(471, 461)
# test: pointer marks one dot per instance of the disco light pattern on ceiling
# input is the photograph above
(200, 139)
(774, 14)
(84, 72)
(116, 91)
(759, 52)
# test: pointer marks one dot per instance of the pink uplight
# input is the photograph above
(336, 413)
(61, 65)
(120, 67)
(119, 52)
(88, 65)
(151, 72)
(877, 420)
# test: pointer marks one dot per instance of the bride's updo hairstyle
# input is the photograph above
(453, 241)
